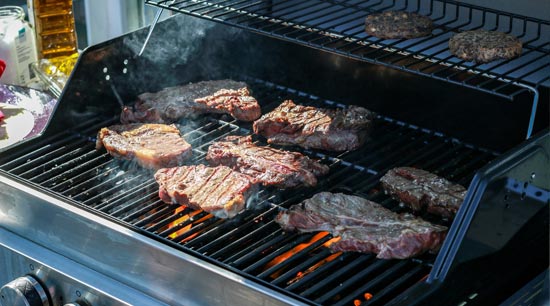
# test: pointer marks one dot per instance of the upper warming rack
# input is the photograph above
(338, 26)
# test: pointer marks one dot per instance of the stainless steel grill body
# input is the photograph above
(104, 216)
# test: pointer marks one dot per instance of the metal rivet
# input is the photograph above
(78, 293)
(523, 195)
(124, 70)
(31, 267)
(126, 62)
(105, 70)
(107, 77)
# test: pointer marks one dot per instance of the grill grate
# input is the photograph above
(338, 26)
(253, 244)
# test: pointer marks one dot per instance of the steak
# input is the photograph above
(363, 226)
(422, 190)
(317, 128)
(174, 103)
(270, 166)
(150, 145)
(219, 190)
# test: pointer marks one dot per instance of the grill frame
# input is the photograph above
(80, 103)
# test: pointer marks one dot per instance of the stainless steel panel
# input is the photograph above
(65, 280)
(123, 255)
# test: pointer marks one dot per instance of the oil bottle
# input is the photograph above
(53, 22)
(56, 41)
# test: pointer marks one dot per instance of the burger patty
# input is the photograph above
(483, 46)
(398, 24)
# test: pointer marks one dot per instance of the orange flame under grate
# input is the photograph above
(318, 264)
(288, 254)
(182, 219)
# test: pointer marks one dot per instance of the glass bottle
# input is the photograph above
(53, 22)
(17, 46)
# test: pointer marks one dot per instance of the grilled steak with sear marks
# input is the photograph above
(268, 165)
(318, 128)
(150, 145)
(173, 103)
(363, 226)
(422, 190)
(217, 190)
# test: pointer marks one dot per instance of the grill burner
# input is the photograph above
(252, 244)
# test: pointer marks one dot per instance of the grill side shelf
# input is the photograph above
(504, 213)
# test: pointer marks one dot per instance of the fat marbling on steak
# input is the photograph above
(268, 165)
(363, 226)
(217, 190)
(317, 128)
(423, 190)
(173, 103)
(150, 145)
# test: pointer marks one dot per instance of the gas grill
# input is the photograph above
(82, 227)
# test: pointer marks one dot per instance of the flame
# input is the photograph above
(301, 274)
(330, 258)
(277, 260)
(331, 241)
(208, 216)
(182, 219)
(178, 221)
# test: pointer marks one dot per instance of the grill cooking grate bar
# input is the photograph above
(338, 27)
(359, 263)
(377, 267)
(252, 243)
(402, 280)
(304, 266)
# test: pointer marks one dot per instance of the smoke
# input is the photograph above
(173, 41)
(177, 53)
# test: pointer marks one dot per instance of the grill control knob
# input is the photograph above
(23, 291)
